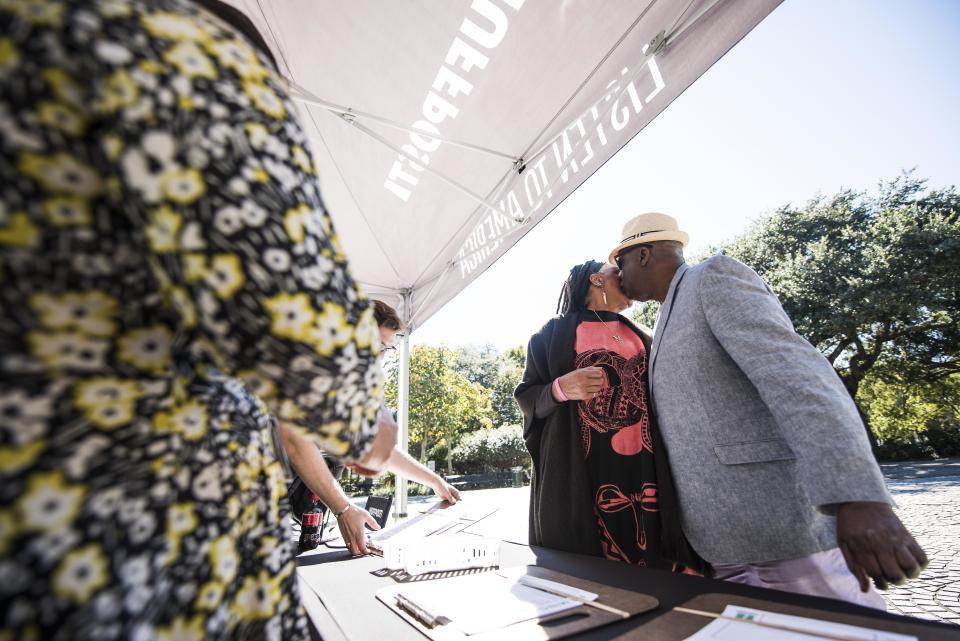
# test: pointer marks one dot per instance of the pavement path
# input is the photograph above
(928, 502)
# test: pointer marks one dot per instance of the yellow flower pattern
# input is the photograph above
(49, 503)
(61, 117)
(67, 210)
(81, 574)
(159, 319)
(61, 174)
(163, 229)
(19, 232)
(189, 419)
(9, 56)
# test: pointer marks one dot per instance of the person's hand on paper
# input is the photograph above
(446, 491)
(351, 525)
(876, 545)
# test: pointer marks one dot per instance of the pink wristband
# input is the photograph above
(556, 388)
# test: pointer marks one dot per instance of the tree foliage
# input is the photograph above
(913, 418)
(500, 373)
(491, 450)
(871, 280)
(444, 404)
(645, 314)
(455, 393)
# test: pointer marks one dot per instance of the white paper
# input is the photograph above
(446, 553)
(722, 630)
(484, 602)
(433, 522)
(520, 574)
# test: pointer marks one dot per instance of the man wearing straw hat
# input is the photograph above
(776, 482)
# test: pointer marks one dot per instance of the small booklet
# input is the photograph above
(431, 542)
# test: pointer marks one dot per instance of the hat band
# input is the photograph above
(644, 233)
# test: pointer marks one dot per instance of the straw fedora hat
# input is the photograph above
(649, 228)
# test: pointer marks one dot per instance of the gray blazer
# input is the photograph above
(761, 434)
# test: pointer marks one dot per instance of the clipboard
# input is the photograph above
(563, 624)
(679, 625)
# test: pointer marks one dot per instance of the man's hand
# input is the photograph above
(875, 544)
(375, 460)
(446, 491)
(582, 383)
(351, 525)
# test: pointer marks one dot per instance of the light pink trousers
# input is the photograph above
(822, 574)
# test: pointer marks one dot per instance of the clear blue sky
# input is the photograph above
(822, 95)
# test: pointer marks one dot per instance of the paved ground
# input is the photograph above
(928, 499)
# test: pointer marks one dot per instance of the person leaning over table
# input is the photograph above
(309, 463)
(162, 240)
(601, 482)
(776, 481)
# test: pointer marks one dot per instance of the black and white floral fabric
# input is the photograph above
(170, 285)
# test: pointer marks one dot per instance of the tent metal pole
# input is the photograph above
(427, 168)
(403, 401)
(301, 94)
(432, 289)
(650, 50)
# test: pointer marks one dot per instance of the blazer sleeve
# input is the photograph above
(798, 385)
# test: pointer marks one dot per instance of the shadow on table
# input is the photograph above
(400, 576)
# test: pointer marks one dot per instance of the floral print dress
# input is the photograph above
(170, 285)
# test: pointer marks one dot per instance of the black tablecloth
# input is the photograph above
(347, 608)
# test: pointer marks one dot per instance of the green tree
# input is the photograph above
(499, 373)
(913, 418)
(444, 404)
(900, 407)
(493, 450)
(517, 356)
(870, 280)
(645, 314)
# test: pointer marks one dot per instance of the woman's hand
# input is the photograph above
(446, 491)
(351, 525)
(581, 384)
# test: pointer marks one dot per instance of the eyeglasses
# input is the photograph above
(618, 259)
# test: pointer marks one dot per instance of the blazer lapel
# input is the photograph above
(664, 316)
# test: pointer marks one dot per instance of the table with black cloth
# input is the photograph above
(346, 608)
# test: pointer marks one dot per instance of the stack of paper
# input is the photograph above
(432, 542)
(441, 554)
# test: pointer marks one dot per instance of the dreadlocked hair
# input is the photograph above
(573, 296)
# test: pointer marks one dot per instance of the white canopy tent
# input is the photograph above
(445, 130)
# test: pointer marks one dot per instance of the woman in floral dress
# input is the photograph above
(170, 285)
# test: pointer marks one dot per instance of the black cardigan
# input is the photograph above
(561, 498)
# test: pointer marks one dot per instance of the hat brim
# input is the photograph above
(679, 236)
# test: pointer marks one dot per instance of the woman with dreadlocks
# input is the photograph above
(601, 481)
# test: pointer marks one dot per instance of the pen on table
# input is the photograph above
(775, 626)
(420, 613)
(593, 604)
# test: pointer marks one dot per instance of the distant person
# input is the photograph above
(601, 483)
(777, 484)
(162, 240)
(315, 475)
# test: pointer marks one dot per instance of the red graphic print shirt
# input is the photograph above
(618, 444)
